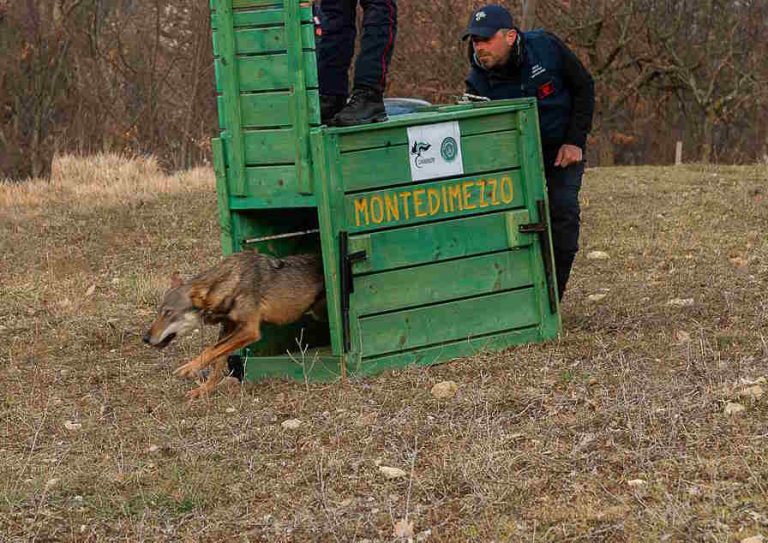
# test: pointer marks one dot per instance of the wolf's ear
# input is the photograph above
(176, 280)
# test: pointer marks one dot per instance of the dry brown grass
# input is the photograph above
(539, 444)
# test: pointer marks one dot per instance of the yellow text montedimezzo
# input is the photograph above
(410, 203)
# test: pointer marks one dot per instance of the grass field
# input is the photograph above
(629, 428)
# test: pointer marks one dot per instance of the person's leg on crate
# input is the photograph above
(335, 48)
(366, 105)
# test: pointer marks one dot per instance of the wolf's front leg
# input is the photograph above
(214, 378)
(191, 368)
(245, 335)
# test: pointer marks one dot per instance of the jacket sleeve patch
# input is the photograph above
(545, 90)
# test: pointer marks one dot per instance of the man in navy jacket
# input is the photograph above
(508, 63)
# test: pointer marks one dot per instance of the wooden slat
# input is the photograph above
(270, 72)
(271, 109)
(421, 202)
(262, 17)
(387, 137)
(267, 185)
(276, 199)
(222, 193)
(264, 147)
(319, 365)
(441, 282)
(447, 351)
(239, 4)
(432, 242)
(423, 326)
(227, 75)
(299, 108)
(376, 168)
(267, 40)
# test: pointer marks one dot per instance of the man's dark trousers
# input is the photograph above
(337, 44)
(563, 185)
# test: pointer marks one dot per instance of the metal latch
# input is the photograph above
(542, 229)
(347, 285)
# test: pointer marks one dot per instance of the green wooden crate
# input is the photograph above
(433, 226)
(421, 272)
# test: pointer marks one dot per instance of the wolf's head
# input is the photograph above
(175, 315)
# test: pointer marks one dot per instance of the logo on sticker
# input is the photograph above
(417, 149)
(449, 149)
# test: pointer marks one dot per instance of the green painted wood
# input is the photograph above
(441, 114)
(516, 219)
(242, 4)
(446, 351)
(325, 150)
(299, 108)
(272, 109)
(228, 77)
(376, 168)
(222, 192)
(271, 72)
(267, 40)
(280, 200)
(261, 17)
(428, 201)
(316, 366)
(414, 328)
(432, 242)
(387, 137)
(533, 169)
(272, 183)
(441, 282)
(269, 146)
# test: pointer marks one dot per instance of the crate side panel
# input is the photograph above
(387, 166)
(447, 351)
(267, 40)
(440, 282)
(272, 109)
(414, 328)
(434, 242)
(271, 72)
(275, 146)
(387, 137)
(422, 202)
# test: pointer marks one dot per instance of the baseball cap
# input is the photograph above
(488, 20)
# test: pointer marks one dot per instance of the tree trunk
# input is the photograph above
(708, 137)
(605, 154)
(529, 14)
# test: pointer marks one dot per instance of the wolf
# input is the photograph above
(242, 291)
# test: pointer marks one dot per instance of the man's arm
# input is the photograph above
(582, 88)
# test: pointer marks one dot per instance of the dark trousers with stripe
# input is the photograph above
(336, 46)
(563, 186)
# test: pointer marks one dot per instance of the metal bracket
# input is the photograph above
(542, 229)
(347, 286)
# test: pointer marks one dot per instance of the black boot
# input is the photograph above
(364, 106)
(330, 106)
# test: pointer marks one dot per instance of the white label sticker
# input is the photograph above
(434, 150)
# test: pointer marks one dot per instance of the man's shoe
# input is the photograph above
(330, 106)
(364, 106)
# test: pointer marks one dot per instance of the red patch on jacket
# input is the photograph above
(545, 90)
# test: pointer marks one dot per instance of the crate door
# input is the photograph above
(435, 269)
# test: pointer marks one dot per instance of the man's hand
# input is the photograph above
(567, 155)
